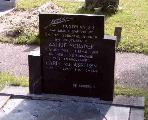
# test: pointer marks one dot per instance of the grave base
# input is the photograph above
(18, 104)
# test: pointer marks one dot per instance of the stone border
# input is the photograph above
(23, 92)
(3, 100)
(122, 101)
(136, 108)
(136, 104)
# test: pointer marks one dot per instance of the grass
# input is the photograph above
(29, 38)
(133, 18)
(24, 38)
(7, 79)
(29, 4)
(128, 91)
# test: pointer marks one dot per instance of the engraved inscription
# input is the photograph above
(75, 85)
(71, 49)
(58, 21)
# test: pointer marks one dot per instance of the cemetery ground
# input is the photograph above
(133, 18)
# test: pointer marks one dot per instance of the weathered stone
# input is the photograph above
(35, 82)
(136, 114)
(76, 58)
(7, 4)
(3, 100)
(62, 107)
(52, 110)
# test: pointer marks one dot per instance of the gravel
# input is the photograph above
(130, 69)
(14, 58)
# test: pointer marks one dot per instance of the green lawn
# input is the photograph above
(29, 4)
(134, 20)
(7, 79)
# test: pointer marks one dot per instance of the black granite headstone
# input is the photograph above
(76, 58)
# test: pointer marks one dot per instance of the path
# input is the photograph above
(14, 59)
(130, 69)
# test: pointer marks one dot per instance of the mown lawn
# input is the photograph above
(134, 20)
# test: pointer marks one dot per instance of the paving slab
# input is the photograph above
(133, 101)
(3, 100)
(50, 110)
(24, 106)
(17, 90)
(136, 114)
(23, 92)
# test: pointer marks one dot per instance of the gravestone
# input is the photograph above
(7, 4)
(76, 58)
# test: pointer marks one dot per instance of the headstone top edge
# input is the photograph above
(35, 53)
(108, 37)
(42, 13)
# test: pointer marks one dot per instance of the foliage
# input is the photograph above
(28, 38)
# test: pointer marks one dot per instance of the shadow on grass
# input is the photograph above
(97, 11)
(30, 39)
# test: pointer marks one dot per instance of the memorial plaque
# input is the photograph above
(76, 59)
